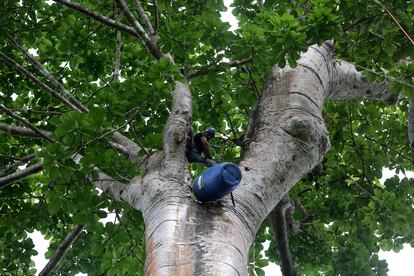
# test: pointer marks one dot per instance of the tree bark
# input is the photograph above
(280, 230)
(23, 132)
(62, 249)
(185, 237)
(288, 139)
(98, 17)
(411, 125)
(6, 180)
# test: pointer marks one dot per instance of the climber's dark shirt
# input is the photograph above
(197, 143)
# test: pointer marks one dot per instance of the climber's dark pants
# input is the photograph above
(197, 158)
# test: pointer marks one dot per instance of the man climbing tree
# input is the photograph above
(201, 145)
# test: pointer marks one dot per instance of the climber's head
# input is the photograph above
(210, 132)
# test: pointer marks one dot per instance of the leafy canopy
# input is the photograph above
(353, 214)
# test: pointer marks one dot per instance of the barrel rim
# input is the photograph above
(236, 181)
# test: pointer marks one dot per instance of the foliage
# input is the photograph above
(353, 214)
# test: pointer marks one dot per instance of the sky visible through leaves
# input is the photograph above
(398, 263)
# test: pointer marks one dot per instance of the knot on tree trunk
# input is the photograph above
(308, 130)
(298, 127)
(179, 136)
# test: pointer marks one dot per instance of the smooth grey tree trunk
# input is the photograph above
(288, 139)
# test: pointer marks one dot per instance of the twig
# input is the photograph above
(26, 158)
(118, 44)
(34, 111)
(38, 82)
(150, 43)
(411, 124)
(62, 249)
(253, 82)
(21, 131)
(98, 17)
(137, 139)
(398, 24)
(354, 143)
(362, 20)
(144, 16)
(25, 122)
(109, 131)
(93, 94)
(233, 130)
(6, 180)
(383, 39)
(13, 167)
(36, 64)
(117, 66)
(278, 217)
(216, 67)
(390, 148)
(358, 187)
(324, 251)
(156, 15)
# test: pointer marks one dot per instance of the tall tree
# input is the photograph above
(311, 101)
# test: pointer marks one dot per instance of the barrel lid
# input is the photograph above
(231, 174)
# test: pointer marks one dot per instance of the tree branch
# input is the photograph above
(147, 153)
(36, 64)
(216, 67)
(176, 132)
(137, 31)
(26, 123)
(98, 17)
(51, 91)
(23, 132)
(232, 128)
(148, 41)
(306, 216)
(37, 81)
(279, 226)
(62, 249)
(349, 84)
(108, 185)
(34, 111)
(123, 144)
(132, 156)
(13, 167)
(411, 124)
(156, 14)
(361, 20)
(130, 146)
(288, 136)
(104, 182)
(144, 16)
(6, 180)
(399, 25)
(118, 44)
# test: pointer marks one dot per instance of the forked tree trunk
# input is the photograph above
(288, 138)
(188, 238)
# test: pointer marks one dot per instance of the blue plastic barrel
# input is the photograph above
(217, 181)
